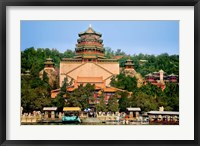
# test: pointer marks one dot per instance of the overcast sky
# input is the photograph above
(132, 37)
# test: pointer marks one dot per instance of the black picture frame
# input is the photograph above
(5, 3)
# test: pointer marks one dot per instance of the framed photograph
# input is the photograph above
(99, 72)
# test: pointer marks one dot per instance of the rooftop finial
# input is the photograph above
(90, 25)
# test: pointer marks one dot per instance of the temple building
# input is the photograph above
(49, 68)
(160, 78)
(89, 64)
(173, 78)
(129, 68)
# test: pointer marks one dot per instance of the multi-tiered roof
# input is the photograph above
(129, 64)
(90, 45)
(49, 62)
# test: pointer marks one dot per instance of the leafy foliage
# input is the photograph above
(148, 97)
(81, 96)
(101, 106)
(123, 82)
(35, 93)
(113, 104)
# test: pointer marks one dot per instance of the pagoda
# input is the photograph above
(90, 46)
(129, 68)
(89, 64)
(49, 63)
(49, 68)
(129, 64)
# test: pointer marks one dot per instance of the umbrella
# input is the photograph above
(87, 110)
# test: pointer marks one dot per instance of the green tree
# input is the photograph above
(42, 98)
(109, 53)
(34, 93)
(73, 101)
(119, 52)
(68, 54)
(144, 101)
(124, 101)
(59, 101)
(81, 96)
(113, 104)
(172, 96)
(101, 106)
(45, 77)
(124, 82)
(64, 86)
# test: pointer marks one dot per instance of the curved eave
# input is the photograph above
(70, 59)
(85, 33)
(129, 64)
(49, 63)
(90, 48)
(49, 59)
(102, 57)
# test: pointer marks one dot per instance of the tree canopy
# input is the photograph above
(147, 97)
(35, 93)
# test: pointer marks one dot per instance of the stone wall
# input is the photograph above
(106, 70)
(112, 67)
(52, 75)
